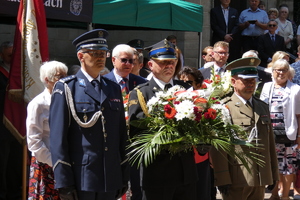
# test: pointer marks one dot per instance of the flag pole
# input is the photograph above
(24, 141)
(24, 173)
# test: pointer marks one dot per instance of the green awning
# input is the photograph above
(159, 14)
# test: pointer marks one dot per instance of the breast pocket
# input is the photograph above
(115, 106)
(85, 107)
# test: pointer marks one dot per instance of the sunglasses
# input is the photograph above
(272, 25)
(125, 60)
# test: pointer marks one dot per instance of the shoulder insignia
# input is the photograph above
(132, 102)
(67, 79)
(226, 100)
(57, 91)
(81, 82)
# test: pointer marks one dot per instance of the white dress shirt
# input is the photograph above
(37, 126)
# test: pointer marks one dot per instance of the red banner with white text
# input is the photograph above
(30, 50)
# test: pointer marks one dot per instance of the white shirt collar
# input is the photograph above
(89, 78)
(243, 100)
(118, 77)
(162, 84)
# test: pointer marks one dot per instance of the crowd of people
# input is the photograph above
(78, 129)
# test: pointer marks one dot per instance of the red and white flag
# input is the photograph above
(30, 50)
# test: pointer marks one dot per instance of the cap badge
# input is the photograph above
(139, 42)
(100, 33)
(166, 43)
(252, 61)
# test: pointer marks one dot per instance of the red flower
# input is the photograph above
(203, 86)
(217, 78)
(169, 112)
(207, 81)
(200, 100)
(210, 114)
(198, 114)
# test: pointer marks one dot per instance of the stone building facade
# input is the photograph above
(190, 43)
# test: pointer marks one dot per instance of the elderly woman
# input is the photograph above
(285, 27)
(41, 182)
(283, 98)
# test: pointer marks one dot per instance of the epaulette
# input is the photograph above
(225, 100)
(141, 85)
(67, 79)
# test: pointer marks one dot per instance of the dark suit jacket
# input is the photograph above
(218, 23)
(266, 48)
(166, 170)
(206, 72)
(90, 158)
(134, 80)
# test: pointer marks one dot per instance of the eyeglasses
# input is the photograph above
(96, 54)
(272, 25)
(125, 60)
(222, 53)
(280, 70)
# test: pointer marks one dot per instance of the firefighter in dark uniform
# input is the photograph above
(169, 176)
(87, 128)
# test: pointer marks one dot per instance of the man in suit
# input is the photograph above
(249, 112)
(169, 176)
(123, 62)
(224, 23)
(269, 43)
(87, 128)
(220, 54)
(122, 59)
(10, 148)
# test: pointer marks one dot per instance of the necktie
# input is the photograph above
(249, 105)
(123, 84)
(219, 70)
(96, 85)
(167, 86)
(273, 39)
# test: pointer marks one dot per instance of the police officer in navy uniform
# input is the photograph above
(87, 128)
(169, 176)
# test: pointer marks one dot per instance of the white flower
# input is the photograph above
(152, 103)
(185, 110)
(225, 115)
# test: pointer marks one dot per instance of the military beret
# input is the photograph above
(244, 67)
(163, 50)
(136, 43)
(94, 40)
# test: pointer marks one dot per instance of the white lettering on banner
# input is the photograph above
(53, 3)
(33, 60)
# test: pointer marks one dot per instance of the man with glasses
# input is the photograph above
(169, 176)
(88, 135)
(220, 54)
(268, 44)
(122, 59)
